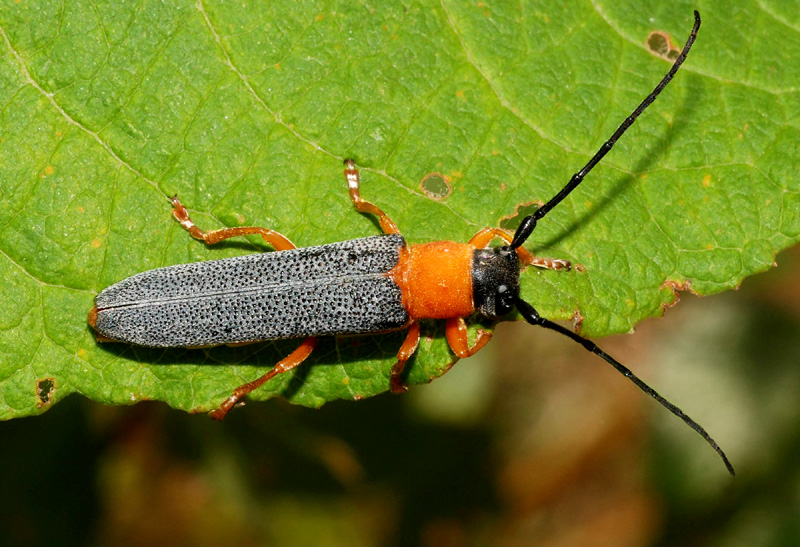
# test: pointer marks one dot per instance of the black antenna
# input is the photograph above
(533, 317)
(529, 223)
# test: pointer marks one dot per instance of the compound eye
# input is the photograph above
(504, 302)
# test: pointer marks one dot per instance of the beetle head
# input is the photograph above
(495, 280)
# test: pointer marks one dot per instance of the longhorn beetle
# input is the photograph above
(368, 285)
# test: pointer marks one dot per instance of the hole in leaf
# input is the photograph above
(44, 391)
(512, 222)
(436, 186)
(660, 44)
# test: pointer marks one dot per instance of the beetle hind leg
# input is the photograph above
(279, 241)
(284, 365)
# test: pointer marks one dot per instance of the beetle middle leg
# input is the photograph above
(284, 365)
(485, 235)
(362, 205)
(279, 241)
(406, 351)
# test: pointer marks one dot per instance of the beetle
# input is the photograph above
(368, 285)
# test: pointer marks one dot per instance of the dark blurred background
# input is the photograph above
(531, 442)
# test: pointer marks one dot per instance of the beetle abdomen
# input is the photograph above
(340, 288)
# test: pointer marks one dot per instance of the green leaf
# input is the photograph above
(248, 111)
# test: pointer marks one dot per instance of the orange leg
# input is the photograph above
(277, 240)
(285, 365)
(280, 243)
(406, 351)
(456, 332)
(484, 236)
(362, 205)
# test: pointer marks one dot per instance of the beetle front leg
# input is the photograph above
(456, 332)
(486, 235)
(406, 351)
(284, 365)
(279, 241)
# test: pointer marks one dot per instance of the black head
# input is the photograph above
(495, 280)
